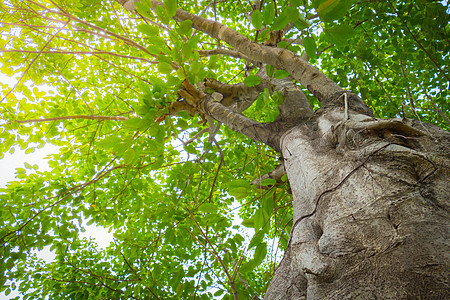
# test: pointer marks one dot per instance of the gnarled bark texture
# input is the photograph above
(370, 210)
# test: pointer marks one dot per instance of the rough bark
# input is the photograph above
(371, 211)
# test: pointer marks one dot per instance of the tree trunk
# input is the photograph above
(370, 210)
(370, 196)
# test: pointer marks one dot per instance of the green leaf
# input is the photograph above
(339, 34)
(282, 44)
(29, 150)
(144, 10)
(280, 74)
(171, 7)
(331, 10)
(280, 22)
(260, 253)
(190, 149)
(129, 155)
(310, 46)
(291, 13)
(269, 13)
(301, 23)
(164, 67)
(257, 19)
(257, 239)
(265, 95)
(209, 207)
(239, 188)
(252, 80)
(161, 12)
(133, 123)
(247, 267)
(248, 223)
(270, 70)
(153, 49)
(239, 192)
(185, 27)
(268, 181)
(148, 30)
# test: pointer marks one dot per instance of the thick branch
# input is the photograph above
(295, 106)
(238, 122)
(240, 97)
(206, 105)
(227, 52)
(283, 59)
(237, 97)
(326, 90)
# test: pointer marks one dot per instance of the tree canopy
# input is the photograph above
(192, 211)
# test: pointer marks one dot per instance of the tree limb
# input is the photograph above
(93, 117)
(206, 105)
(227, 52)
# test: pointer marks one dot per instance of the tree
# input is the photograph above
(315, 121)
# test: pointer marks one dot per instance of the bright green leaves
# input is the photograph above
(330, 10)
(301, 22)
(310, 46)
(171, 7)
(136, 124)
(278, 98)
(280, 22)
(185, 27)
(164, 67)
(257, 19)
(270, 70)
(269, 13)
(156, 44)
(252, 80)
(290, 14)
(147, 29)
(144, 8)
(280, 74)
(258, 257)
(339, 34)
(239, 188)
(265, 108)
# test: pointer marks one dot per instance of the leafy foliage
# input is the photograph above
(99, 82)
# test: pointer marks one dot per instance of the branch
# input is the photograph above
(81, 53)
(276, 174)
(206, 104)
(326, 90)
(295, 106)
(438, 110)
(240, 97)
(232, 53)
(112, 118)
(283, 59)
(237, 97)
